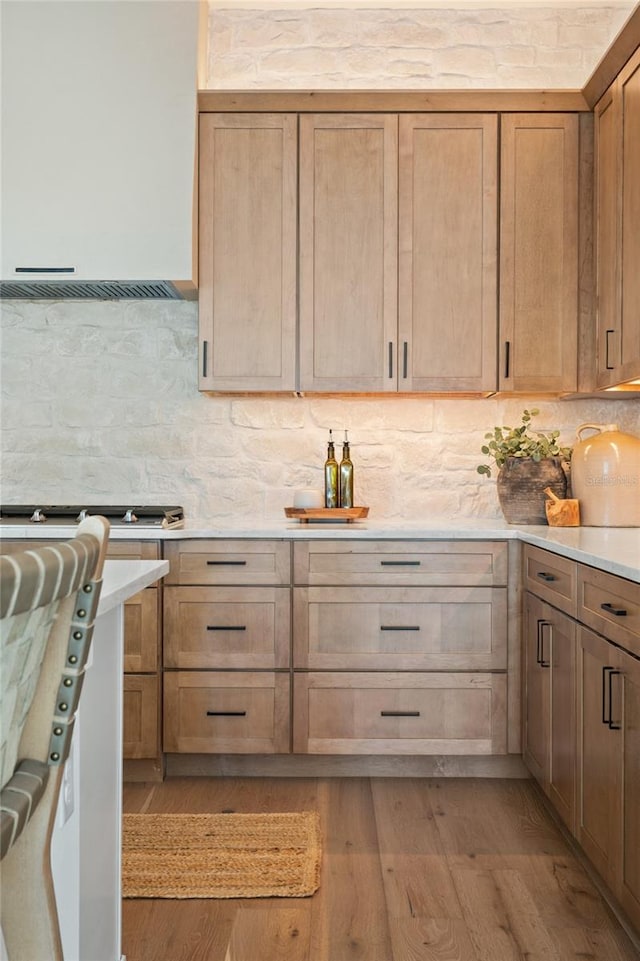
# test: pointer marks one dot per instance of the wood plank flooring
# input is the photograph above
(414, 869)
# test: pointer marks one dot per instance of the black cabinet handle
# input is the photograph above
(540, 643)
(405, 352)
(399, 627)
(226, 627)
(546, 577)
(226, 713)
(400, 563)
(390, 358)
(610, 609)
(606, 720)
(612, 726)
(399, 713)
(607, 365)
(226, 563)
(205, 345)
(507, 358)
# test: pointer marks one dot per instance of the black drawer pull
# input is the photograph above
(399, 627)
(610, 609)
(226, 627)
(546, 577)
(400, 563)
(399, 713)
(227, 563)
(226, 713)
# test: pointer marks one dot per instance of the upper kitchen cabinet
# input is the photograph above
(448, 250)
(539, 253)
(617, 213)
(348, 252)
(248, 250)
(382, 197)
(99, 120)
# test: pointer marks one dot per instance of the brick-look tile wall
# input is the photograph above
(99, 400)
(554, 46)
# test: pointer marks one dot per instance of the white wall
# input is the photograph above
(99, 400)
(100, 403)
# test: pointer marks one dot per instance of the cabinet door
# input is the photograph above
(561, 653)
(448, 252)
(539, 252)
(141, 716)
(599, 755)
(629, 890)
(247, 251)
(630, 211)
(607, 243)
(141, 632)
(348, 252)
(617, 195)
(537, 732)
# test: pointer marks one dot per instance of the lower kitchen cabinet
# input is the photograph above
(227, 627)
(399, 713)
(234, 712)
(550, 703)
(141, 716)
(400, 628)
(142, 646)
(582, 710)
(609, 766)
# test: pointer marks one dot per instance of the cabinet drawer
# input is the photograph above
(243, 712)
(611, 605)
(228, 562)
(226, 627)
(551, 577)
(446, 563)
(133, 550)
(141, 623)
(438, 713)
(141, 719)
(400, 628)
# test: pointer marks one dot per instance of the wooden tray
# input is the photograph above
(307, 514)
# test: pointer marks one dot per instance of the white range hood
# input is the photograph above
(99, 119)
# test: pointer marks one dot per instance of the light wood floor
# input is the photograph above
(413, 870)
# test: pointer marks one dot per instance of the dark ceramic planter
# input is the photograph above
(521, 484)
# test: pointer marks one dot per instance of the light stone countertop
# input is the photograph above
(612, 549)
(122, 579)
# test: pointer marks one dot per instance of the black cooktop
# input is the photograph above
(125, 514)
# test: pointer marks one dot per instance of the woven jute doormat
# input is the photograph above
(220, 855)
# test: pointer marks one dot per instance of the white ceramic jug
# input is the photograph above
(605, 476)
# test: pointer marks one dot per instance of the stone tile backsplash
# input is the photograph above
(99, 401)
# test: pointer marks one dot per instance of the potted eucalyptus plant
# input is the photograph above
(527, 462)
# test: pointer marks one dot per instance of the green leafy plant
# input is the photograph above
(505, 442)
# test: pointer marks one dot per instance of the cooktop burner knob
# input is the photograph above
(129, 517)
(37, 517)
(82, 515)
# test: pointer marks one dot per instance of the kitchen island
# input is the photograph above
(85, 850)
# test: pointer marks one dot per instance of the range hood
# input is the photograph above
(99, 119)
